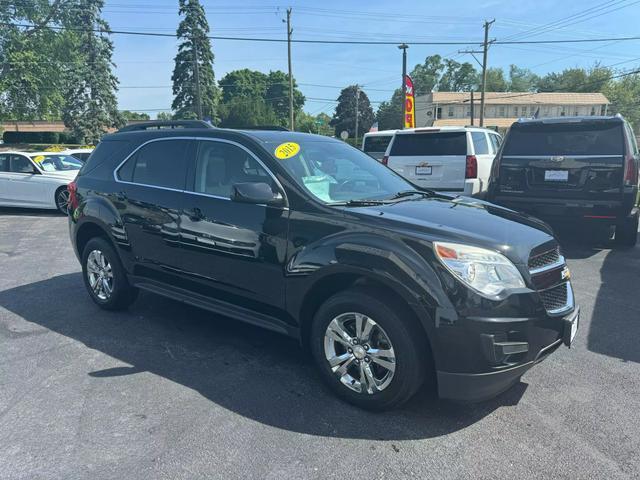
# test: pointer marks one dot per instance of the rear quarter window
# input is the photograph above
(566, 139)
(106, 150)
(480, 144)
(436, 143)
(379, 143)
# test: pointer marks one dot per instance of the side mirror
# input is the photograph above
(257, 193)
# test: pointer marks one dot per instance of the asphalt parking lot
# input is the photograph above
(169, 391)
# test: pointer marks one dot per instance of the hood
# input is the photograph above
(462, 220)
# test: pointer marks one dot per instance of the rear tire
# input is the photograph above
(62, 200)
(627, 231)
(378, 369)
(105, 277)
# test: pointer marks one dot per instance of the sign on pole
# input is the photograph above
(409, 104)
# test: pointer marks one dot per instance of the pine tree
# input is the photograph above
(344, 117)
(193, 31)
(90, 106)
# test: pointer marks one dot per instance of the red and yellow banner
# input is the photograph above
(409, 104)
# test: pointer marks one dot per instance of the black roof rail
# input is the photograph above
(266, 127)
(161, 124)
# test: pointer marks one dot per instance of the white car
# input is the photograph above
(37, 180)
(375, 143)
(450, 159)
(80, 153)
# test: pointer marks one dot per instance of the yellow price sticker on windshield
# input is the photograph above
(39, 158)
(287, 150)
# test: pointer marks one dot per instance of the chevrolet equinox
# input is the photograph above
(385, 284)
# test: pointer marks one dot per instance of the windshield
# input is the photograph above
(335, 172)
(57, 162)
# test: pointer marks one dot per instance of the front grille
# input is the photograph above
(543, 259)
(555, 298)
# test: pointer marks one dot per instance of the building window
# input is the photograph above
(501, 111)
(593, 111)
(524, 111)
(515, 111)
(562, 112)
(602, 110)
(450, 112)
(438, 112)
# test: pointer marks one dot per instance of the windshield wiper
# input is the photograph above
(409, 193)
(359, 203)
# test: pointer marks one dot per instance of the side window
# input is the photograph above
(495, 142)
(481, 146)
(20, 164)
(162, 163)
(220, 165)
(632, 139)
(4, 163)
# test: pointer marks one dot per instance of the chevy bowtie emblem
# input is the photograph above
(424, 164)
(566, 274)
(557, 159)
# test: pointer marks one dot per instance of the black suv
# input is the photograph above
(571, 169)
(307, 236)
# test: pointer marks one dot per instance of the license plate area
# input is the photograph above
(424, 170)
(556, 175)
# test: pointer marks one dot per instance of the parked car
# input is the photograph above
(80, 153)
(36, 180)
(375, 143)
(451, 159)
(571, 169)
(305, 235)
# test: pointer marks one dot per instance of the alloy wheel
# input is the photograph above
(62, 201)
(359, 353)
(100, 275)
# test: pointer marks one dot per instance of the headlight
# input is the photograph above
(487, 272)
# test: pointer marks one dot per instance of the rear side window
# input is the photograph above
(495, 142)
(379, 143)
(158, 164)
(4, 163)
(437, 143)
(104, 151)
(566, 139)
(480, 143)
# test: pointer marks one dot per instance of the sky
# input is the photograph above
(144, 64)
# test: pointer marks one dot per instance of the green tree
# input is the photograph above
(389, 114)
(194, 44)
(426, 75)
(458, 77)
(128, 115)
(273, 89)
(91, 106)
(522, 79)
(163, 116)
(495, 80)
(576, 80)
(624, 95)
(344, 117)
(247, 112)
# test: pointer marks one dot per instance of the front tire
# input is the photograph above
(105, 277)
(368, 354)
(627, 231)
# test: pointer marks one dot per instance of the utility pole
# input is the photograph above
(472, 108)
(485, 49)
(357, 111)
(404, 47)
(196, 70)
(292, 124)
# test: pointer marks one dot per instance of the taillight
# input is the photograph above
(471, 171)
(72, 188)
(385, 160)
(630, 170)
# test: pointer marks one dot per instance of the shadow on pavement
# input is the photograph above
(29, 212)
(252, 372)
(615, 324)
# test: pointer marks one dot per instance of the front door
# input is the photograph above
(233, 251)
(149, 199)
(24, 185)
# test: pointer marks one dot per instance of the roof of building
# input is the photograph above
(517, 98)
(461, 122)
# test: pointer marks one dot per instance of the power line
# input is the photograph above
(332, 42)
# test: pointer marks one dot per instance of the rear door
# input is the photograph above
(577, 160)
(432, 158)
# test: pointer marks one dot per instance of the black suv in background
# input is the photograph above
(307, 236)
(571, 169)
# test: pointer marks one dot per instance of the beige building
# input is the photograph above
(504, 108)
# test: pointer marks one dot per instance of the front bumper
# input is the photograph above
(475, 387)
